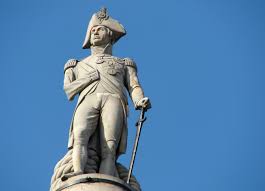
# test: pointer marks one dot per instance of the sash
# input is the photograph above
(110, 85)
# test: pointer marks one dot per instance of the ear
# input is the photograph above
(111, 36)
(110, 33)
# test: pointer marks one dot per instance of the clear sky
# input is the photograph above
(201, 62)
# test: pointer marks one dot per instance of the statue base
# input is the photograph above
(92, 182)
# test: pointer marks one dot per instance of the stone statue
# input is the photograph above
(102, 81)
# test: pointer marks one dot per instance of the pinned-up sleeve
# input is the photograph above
(69, 78)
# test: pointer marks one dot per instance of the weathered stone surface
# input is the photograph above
(102, 82)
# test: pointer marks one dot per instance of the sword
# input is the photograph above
(139, 125)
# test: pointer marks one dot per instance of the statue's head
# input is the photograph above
(103, 29)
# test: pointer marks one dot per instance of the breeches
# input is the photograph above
(103, 111)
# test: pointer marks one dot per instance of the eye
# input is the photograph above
(93, 30)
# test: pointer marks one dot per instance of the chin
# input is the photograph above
(95, 42)
(99, 43)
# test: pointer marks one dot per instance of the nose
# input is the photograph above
(96, 31)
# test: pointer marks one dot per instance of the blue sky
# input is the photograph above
(202, 64)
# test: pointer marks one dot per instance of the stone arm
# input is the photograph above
(132, 83)
(74, 85)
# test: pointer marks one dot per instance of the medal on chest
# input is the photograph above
(111, 65)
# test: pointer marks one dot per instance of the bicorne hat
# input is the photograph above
(102, 18)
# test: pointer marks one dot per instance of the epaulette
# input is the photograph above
(130, 62)
(70, 64)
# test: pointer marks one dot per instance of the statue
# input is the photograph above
(102, 81)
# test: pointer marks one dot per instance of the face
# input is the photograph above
(100, 36)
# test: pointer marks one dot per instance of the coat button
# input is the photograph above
(111, 71)
(99, 61)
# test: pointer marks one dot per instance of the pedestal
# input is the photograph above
(92, 182)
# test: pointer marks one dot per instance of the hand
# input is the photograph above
(143, 103)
